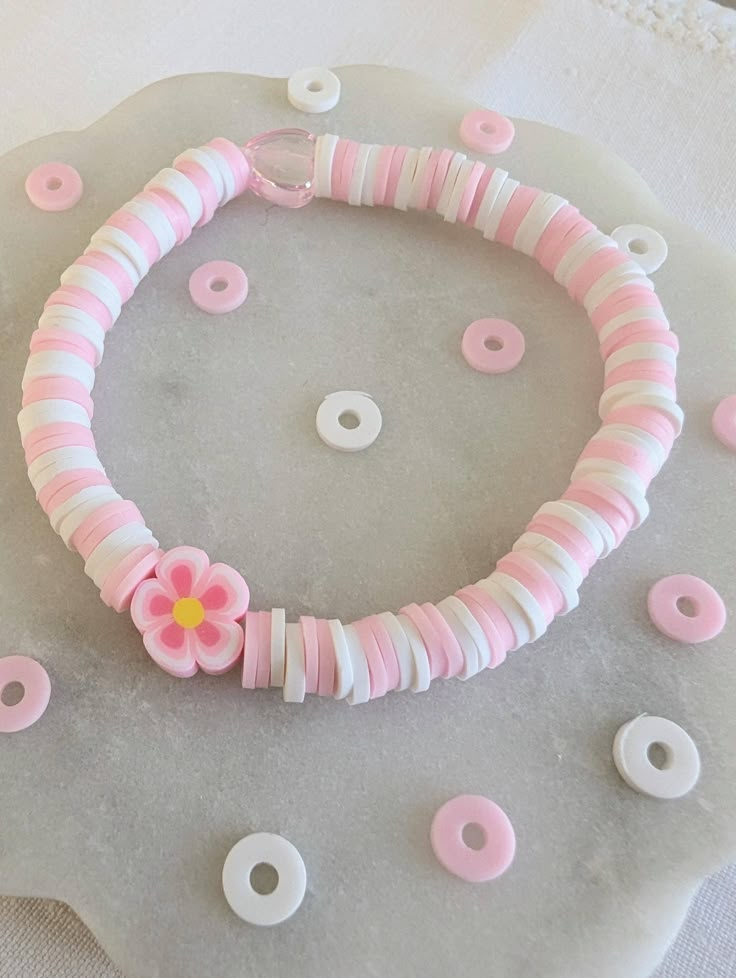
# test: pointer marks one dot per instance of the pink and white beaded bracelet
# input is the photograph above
(193, 614)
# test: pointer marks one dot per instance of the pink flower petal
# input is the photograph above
(182, 570)
(171, 649)
(150, 605)
(225, 592)
(219, 644)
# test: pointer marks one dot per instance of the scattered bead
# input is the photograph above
(646, 246)
(264, 909)
(632, 749)
(348, 406)
(668, 602)
(499, 840)
(218, 287)
(724, 422)
(486, 131)
(54, 187)
(493, 346)
(313, 90)
(34, 679)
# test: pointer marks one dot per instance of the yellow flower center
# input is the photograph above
(188, 612)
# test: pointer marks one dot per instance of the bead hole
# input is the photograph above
(658, 756)
(264, 879)
(12, 694)
(493, 344)
(488, 128)
(53, 183)
(638, 246)
(474, 836)
(217, 284)
(314, 86)
(687, 607)
(349, 420)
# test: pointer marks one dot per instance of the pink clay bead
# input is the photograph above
(626, 297)
(466, 201)
(637, 459)
(250, 651)
(572, 540)
(56, 338)
(326, 678)
(205, 185)
(641, 331)
(561, 247)
(428, 176)
(654, 370)
(440, 174)
(171, 209)
(593, 494)
(394, 172)
(235, 159)
(311, 653)
(107, 266)
(58, 388)
(387, 650)
(565, 218)
(101, 524)
(79, 298)
(516, 210)
(376, 667)
(383, 165)
(337, 160)
(67, 484)
(80, 437)
(594, 268)
(450, 644)
(524, 569)
(346, 171)
(139, 231)
(648, 419)
(488, 626)
(438, 665)
(263, 662)
(506, 633)
(480, 193)
(121, 584)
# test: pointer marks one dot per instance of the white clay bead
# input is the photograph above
(369, 180)
(447, 187)
(155, 220)
(570, 596)
(495, 185)
(361, 690)
(295, 676)
(631, 748)
(611, 281)
(278, 646)
(324, 154)
(96, 283)
(76, 516)
(98, 495)
(206, 163)
(640, 351)
(61, 317)
(313, 90)
(355, 191)
(181, 189)
(421, 676)
(471, 657)
(82, 458)
(401, 645)
(351, 403)
(343, 662)
(453, 204)
(471, 626)
(264, 909)
(665, 405)
(50, 411)
(118, 256)
(537, 541)
(416, 186)
(535, 221)
(632, 316)
(108, 236)
(529, 605)
(510, 608)
(224, 169)
(646, 246)
(495, 215)
(406, 178)
(58, 363)
(106, 556)
(631, 388)
(575, 257)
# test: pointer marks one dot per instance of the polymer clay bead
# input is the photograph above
(54, 187)
(646, 246)
(345, 406)
(36, 693)
(724, 422)
(632, 755)
(486, 131)
(493, 346)
(498, 847)
(313, 90)
(686, 608)
(264, 909)
(218, 287)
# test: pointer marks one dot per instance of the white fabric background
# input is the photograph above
(653, 79)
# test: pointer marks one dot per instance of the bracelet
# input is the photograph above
(194, 615)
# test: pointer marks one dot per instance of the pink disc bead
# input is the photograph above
(139, 231)
(468, 196)
(101, 523)
(67, 484)
(205, 185)
(479, 354)
(427, 178)
(591, 270)
(494, 612)
(647, 419)
(204, 288)
(488, 627)
(376, 667)
(516, 210)
(326, 679)
(724, 422)
(594, 495)
(383, 166)
(527, 572)
(637, 459)
(438, 664)
(171, 209)
(387, 650)
(702, 620)
(480, 192)
(394, 172)
(108, 267)
(572, 541)
(56, 338)
(121, 584)
(499, 841)
(58, 388)
(250, 653)
(440, 174)
(79, 298)
(36, 692)
(54, 187)
(311, 653)
(450, 645)
(486, 131)
(235, 158)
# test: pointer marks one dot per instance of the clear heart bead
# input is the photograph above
(282, 165)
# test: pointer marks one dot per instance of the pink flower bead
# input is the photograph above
(189, 613)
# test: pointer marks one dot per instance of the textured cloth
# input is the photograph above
(652, 79)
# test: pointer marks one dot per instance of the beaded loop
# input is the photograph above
(192, 614)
